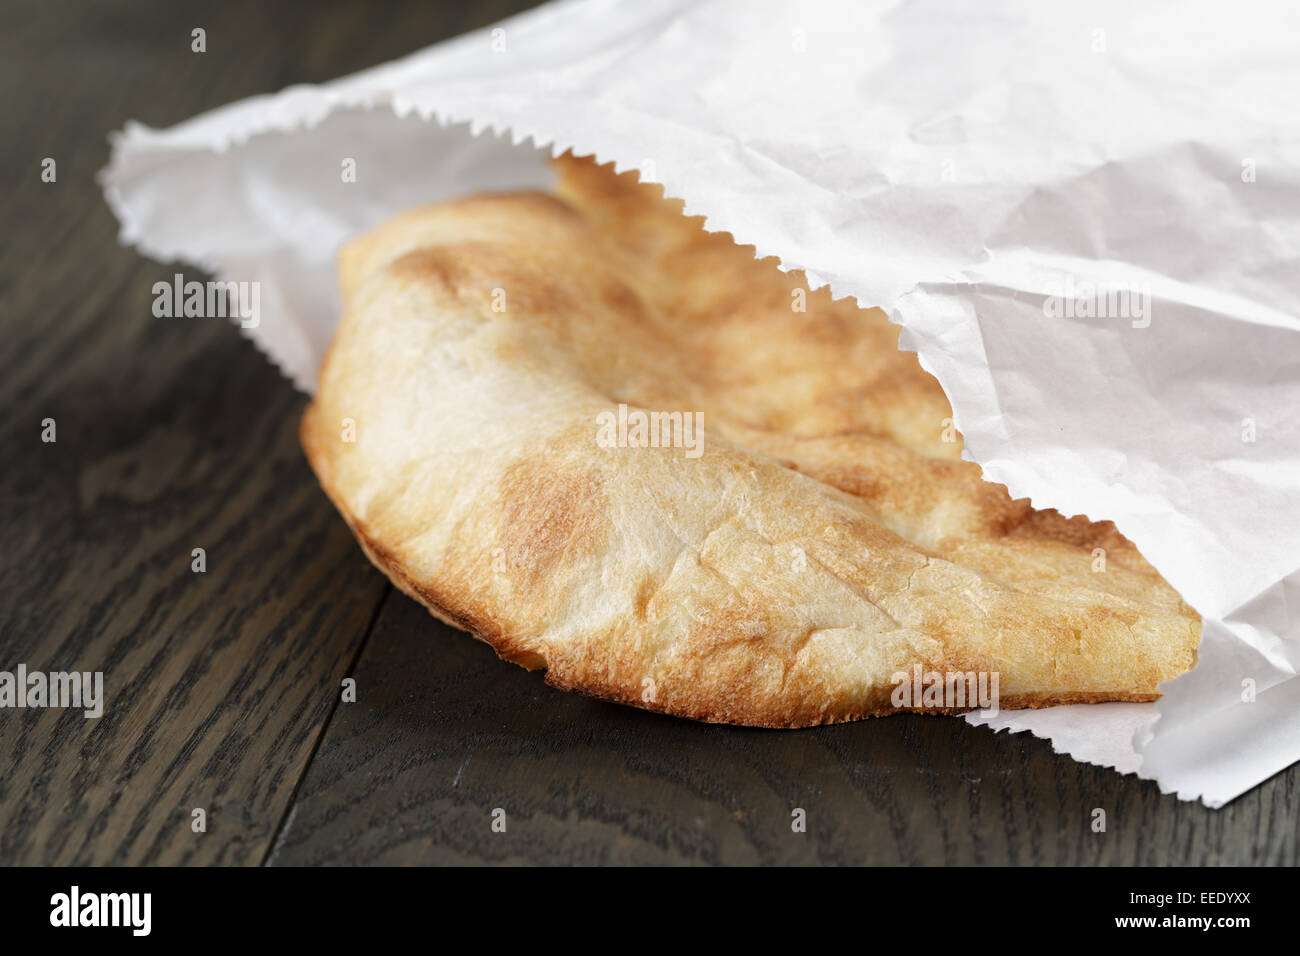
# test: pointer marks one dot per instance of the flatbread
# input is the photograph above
(823, 539)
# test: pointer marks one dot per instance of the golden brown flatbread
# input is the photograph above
(483, 423)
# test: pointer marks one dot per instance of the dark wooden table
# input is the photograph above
(224, 687)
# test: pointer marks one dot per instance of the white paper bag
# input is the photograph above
(1085, 216)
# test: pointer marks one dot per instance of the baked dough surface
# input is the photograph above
(826, 538)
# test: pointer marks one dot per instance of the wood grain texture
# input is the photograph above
(171, 435)
(223, 686)
(442, 734)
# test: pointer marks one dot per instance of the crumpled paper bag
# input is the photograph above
(1086, 217)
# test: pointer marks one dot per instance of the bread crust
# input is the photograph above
(827, 538)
